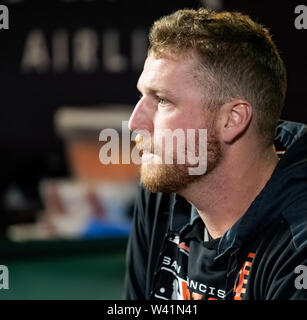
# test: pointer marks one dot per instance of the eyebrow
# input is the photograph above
(157, 91)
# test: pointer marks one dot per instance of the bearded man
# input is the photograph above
(238, 229)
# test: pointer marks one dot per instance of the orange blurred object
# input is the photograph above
(80, 129)
(83, 157)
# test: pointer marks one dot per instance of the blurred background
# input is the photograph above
(68, 69)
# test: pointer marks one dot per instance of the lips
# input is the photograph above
(145, 146)
(145, 152)
(146, 149)
(147, 156)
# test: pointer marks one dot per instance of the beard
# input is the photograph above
(168, 178)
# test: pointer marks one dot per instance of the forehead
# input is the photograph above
(168, 70)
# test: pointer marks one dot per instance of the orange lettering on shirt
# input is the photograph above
(196, 296)
(239, 289)
(185, 291)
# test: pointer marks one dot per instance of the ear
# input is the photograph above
(235, 117)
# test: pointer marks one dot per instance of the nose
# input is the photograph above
(141, 117)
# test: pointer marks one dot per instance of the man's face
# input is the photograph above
(171, 98)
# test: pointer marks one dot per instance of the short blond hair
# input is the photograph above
(238, 56)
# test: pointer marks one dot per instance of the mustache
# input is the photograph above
(144, 143)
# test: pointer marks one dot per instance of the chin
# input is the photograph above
(166, 178)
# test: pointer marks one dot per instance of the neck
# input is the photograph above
(222, 196)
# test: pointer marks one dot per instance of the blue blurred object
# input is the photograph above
(97, 228)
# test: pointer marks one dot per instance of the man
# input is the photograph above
(239, 229)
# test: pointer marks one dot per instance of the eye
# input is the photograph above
(162, 101)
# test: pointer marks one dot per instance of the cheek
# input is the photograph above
(164, 127)
(163, 124)
(181, 121)
(191, 118)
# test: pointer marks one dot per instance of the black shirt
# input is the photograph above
(187, 270)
